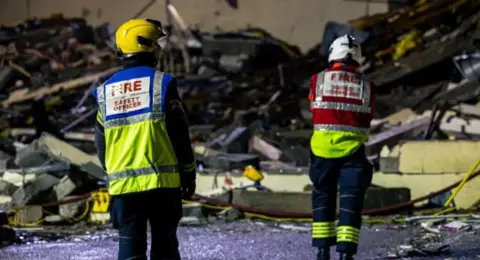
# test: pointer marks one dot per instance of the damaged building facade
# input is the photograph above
(245, 93)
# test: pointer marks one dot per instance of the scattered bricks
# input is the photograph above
(34, 191)
(7, 188)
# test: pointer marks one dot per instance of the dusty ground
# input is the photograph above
(248, 240)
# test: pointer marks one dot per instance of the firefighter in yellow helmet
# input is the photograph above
(143, 144)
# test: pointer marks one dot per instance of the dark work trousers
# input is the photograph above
(353, 174)
(162, 208)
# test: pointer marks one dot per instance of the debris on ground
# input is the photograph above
(245, 94)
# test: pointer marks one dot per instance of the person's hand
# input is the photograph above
(188, 184)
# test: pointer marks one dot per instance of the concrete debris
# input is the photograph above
(7, 188)
(72, 210)
(35, 191)
(29, 214)
(245, 94)
(456, 226)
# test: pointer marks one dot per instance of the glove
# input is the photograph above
(188, 184)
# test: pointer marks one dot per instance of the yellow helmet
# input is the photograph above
(139, 35)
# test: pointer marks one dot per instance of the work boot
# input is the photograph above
(323, 254)
(345, 256)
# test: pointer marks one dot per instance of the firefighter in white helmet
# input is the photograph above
(342, 107)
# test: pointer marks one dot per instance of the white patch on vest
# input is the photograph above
(342, 84)
(127, 96)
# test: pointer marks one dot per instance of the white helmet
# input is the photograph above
(343, 47)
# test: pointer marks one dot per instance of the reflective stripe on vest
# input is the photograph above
(342, 128)
(319, 105)
(141, 171)
(139, 155)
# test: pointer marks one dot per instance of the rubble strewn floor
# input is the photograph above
(256, 240)
(245, 94)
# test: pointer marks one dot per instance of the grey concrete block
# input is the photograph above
(94, 170)
(33, 155)
(298, 202)
(7, 188)
(72, 210)
(65, 187)
(34, 191)
(29, 214)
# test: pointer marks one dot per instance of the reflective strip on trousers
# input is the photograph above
(342, 128)
(142, 171)
(340, 106)
(323, 229)
(348, 234)
(156, 113)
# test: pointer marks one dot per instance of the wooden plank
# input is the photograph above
(24, 94)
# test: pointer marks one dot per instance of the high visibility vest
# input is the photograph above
(341, 104)
(139, 155)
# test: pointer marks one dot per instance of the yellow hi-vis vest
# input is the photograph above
(139, 155)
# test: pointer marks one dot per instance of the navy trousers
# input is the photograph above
(162, 208)
(353, 175)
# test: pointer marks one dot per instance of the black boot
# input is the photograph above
(323, 254)
(345, 256)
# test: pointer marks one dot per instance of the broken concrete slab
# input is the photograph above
(35, 190)
(392, 136)
(65, 152)
(65, 187)
(466, 109)
(432, 157)
(33, 155)
(16, 178)
(460, 126)
(72, 210)
(28, 214)
(298, 202)
(7, 188)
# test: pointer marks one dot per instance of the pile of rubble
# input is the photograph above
(245, 94)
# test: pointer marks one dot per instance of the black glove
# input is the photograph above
(188, 184)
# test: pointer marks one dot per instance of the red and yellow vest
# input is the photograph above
(341, 101)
